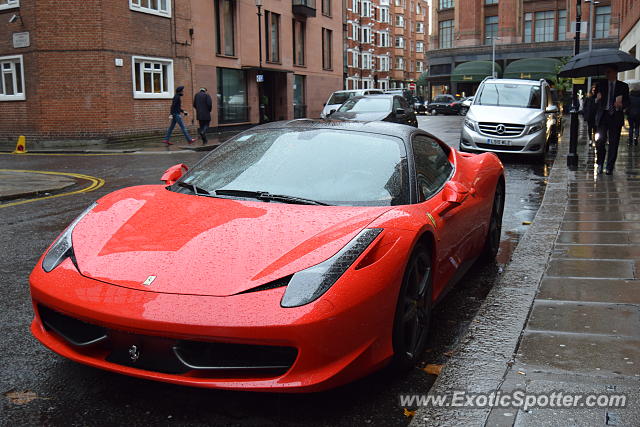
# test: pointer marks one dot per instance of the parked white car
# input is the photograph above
(338, 97)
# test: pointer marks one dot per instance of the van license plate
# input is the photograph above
(498, 141)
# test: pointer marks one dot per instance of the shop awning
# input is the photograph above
(532, 69)
(473, 71)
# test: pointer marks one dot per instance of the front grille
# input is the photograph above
(169, 355)
(499, 147)
(500, 129)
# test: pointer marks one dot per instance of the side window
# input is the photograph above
(396, 103)
(404, 104)
(432, 166)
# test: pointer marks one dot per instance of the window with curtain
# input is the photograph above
(225, 27)
(152, 77)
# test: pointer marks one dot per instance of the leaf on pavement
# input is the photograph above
(433, 369)
(21, 397)
(408, 413)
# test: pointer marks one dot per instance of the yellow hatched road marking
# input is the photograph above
(95, 184)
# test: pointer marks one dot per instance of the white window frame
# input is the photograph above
(367, 61)
(383, 61)
(355, 6)
(384, 3)
(365, 9)
(419, 66)
(137, 5)
(399, 21)
(167, 94)
(400, 42)
(384, 39)
(365, 35)
(10, 5)
(355, 31)
(419, 27)
(13, 59)
(419, 47)
(384, 14)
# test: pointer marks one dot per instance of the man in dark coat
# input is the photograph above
(203, 104)
(176, 111)
(612, 99)
(633, 115)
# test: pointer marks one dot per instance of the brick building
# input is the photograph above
(95, 70)
(630, 33)
(385, 43)
(524, 31)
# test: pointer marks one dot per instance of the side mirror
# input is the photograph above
(174, 173)
(552, 109)
(324, 104)
(331, 112)
(400, 112)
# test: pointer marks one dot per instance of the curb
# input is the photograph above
(487, 349)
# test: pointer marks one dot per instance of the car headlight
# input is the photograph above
(471, 124)
(536, 127)
(62, 248)
(308, 285)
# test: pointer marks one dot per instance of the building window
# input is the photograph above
(528, 25)
(154, 7)
(399, 63)
(355, 56)
(419, 66)
(355, 31)
(446, 4)
(384, 14)
(490, 1)
(327, 51)
(365, 9)
(383, 38)
(225, 27)
(299, 90)
(562, 25)
(490, 28)
(326, 7)
(355, 6)
(419, 47)
(603, 20)
(384, 3)
(419, 27)
(11, 78)
(152, 77)
(298, 42)
(272, 24)
(232, 96)
(418, 9)
(383, 63)
(545, 26)
(8, 4)
(367, 60)
(446, 34)
(399, 21)
(400, 42)
(365, 35)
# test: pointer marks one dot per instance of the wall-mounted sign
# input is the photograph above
(21, 40)
(119, 62)
(259, 78)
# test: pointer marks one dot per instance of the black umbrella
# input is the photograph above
(594, 63)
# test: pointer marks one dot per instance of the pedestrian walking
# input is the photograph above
(612, 98)
(633, 116)
(203, 104)
(176, 111)
(589, 113)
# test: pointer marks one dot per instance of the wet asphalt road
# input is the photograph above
(71, 394)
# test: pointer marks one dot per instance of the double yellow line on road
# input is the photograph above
(95, 183)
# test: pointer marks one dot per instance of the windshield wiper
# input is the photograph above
(194, 188)
(265, 195)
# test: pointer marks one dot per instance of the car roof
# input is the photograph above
(515, 81)
(383, 128)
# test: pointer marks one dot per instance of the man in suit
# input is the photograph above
(612, 98)
(202, 103)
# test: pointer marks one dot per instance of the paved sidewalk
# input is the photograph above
(14, 185)
(574, 295)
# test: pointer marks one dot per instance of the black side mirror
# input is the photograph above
(400, 112)
(331, 112)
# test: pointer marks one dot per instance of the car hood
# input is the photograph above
(207, 246)
(522, 116)
(363, 117)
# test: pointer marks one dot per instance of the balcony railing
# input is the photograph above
(304, 7)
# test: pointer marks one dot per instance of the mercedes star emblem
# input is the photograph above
(500, 129)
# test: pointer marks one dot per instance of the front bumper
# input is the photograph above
(474, 141)
(340, 337)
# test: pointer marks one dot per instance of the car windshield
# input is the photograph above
(340, 97)
(509, 95)
(366, 105)
(442, 98)
(330, 166)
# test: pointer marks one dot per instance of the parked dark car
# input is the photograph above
(419, 106)
(445, 104)
(369, 108)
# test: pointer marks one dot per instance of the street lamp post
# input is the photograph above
(259, 6)
(572, 157)
(493, 54)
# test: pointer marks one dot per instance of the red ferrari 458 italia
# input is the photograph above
(297, 256)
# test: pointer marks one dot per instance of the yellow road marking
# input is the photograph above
(95, 184)
(71, 154)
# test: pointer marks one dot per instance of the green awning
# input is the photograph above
(473, 71)
(532, 69)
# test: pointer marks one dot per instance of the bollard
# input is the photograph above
(21, 146)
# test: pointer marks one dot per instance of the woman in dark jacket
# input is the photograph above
(589, 112)
(633, 115)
